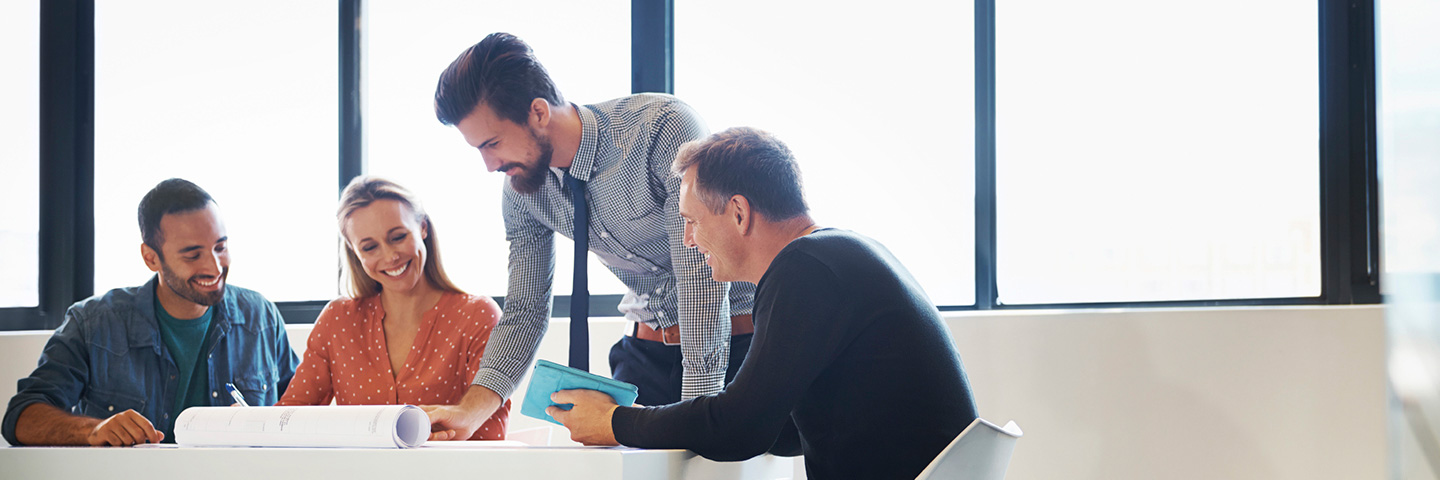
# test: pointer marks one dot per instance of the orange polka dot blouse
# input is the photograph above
(346, 357)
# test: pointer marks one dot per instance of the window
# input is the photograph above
(20, 148)
(1143, 155)
(877, 105)
(240, 101)
(1410, 116)
(1104, 191)
(586, 51)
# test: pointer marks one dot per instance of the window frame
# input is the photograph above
(1349, 190)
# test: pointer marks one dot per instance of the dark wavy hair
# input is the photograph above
(501, 71)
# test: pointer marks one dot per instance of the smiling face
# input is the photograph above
(389, 241)
(505, 146)
(194, 258)
(717, 236)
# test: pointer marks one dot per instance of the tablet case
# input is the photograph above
(550, 377)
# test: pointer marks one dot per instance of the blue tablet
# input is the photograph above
(550, 377)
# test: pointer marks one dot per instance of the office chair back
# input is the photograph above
(980, 452)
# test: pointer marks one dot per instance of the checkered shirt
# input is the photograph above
(626, 148)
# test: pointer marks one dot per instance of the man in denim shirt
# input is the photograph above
(124, 364)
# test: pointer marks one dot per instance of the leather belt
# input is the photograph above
(739, 325)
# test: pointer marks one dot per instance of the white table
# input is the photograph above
(87, 463)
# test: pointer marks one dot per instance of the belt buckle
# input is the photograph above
(670, 338)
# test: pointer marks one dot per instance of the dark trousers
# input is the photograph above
(655, 367)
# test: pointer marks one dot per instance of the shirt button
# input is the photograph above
(214, 394)
(604, 234)
(167, 415)
(660, 289)
(111, 408)
(654, 269)
(660, 314)
(629, 255)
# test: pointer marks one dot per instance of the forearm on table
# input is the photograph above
(44, 424)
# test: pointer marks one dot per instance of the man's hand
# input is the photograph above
(44, 424)
(459, 422)
(124, 429)
(589, 419)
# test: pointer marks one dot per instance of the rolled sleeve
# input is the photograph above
(58, 380)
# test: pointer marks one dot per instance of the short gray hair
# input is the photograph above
(748, 162)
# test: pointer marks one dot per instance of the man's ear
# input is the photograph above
(738, 211)
(539, 114)
(151, 257)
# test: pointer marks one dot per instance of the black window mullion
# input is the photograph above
(1349, 208)
(652, 46)
(352, 98)
(67, 156)
(985, 248)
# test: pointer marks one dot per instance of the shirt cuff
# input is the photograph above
(699, 385)
(624, 425)
(495, 381)
(12, 417)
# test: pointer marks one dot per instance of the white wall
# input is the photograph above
(1227, 393)
(1232, 393)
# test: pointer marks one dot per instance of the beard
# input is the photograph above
(532, 177)
(185, 291)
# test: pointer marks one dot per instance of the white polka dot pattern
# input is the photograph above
(364, 375)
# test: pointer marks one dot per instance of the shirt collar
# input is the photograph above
(584, 162)
(147, 331)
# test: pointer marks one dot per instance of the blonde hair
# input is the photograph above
(360, 193)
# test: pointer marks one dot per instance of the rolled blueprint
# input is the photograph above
(374, 426)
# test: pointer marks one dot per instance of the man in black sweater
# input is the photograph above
(850, 364)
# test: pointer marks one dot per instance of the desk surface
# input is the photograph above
(386, 464)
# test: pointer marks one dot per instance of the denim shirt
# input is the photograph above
(107, 357)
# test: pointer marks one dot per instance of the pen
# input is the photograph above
(239, 399)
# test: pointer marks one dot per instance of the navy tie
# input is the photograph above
(580, 292)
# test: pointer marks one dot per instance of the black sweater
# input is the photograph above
(850, 365)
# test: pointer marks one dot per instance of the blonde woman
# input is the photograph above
(405, 334)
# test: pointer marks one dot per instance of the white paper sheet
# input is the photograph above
(378, 426)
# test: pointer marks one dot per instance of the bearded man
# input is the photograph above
(124, 364)
(602, 170)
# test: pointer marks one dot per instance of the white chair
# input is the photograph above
(980, 452)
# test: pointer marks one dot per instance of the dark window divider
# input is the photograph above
(1349, 180)
(985, 247)
(652, 46)
(67, 159)
(352, 91)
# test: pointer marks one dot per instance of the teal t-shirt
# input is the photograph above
(185, 340)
